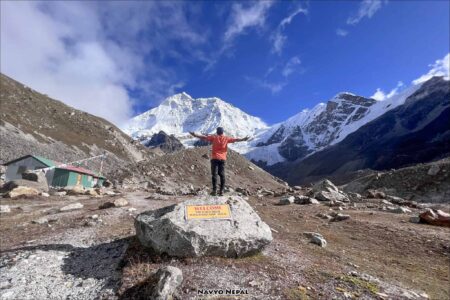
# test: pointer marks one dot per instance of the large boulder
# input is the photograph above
(435, 217)
(40, 186)
(75, 190)
(167, 230)
(22, 191)
(324, 185)
(325, 190)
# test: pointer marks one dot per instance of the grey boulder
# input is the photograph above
(286, 200)
(316, 238)
(166, 230)
(325, 190)
(73, 206)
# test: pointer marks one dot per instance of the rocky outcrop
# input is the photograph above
(167, 230)
(410, 183)
(167, 143)
(325, 190)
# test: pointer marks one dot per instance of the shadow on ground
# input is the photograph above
(101, 262)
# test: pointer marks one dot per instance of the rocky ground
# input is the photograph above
(90, 252)
(188, 171)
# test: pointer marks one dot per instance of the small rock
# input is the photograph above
(386, 202)
(40, 221)
(4, 285)
(316, 238)
(94, 217)
(7, 295)
(340, 217)
(414, 219)
(131, 209)
(90, 223)
(120, 202)
(313, 201)
(169, 279)
(434, 170)
(5, 209)
(62, 193)
(44, 194)
(324, 216)
(305, 200)
(251, 168)
(287, 200)
(73, 206)
(375, 194)
(398, 210)
(253, 283)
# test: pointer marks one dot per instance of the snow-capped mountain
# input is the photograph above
(298, 137)
(326, 124)
(180, 114)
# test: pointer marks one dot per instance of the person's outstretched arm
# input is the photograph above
(200, 136)
(241, 139)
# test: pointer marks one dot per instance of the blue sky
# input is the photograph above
(271, 59)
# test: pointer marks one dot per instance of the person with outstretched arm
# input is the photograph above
(218, 156)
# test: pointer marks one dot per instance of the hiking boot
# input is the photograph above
(220, 193)
(213, 193)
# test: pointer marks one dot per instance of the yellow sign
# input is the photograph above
(216, 211)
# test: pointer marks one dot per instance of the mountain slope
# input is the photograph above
(417, 131)
(180, 114)
(326, 124)
(32, 123)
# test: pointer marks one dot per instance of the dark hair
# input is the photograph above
(219, 130)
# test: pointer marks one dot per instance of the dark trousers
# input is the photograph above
(218, 166)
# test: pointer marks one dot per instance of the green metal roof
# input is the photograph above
(46, 161)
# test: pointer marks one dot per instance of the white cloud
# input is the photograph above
(277, 71)
(83, 54)
(244, 17)
(291, 66)
(367, 9)
(380, 95)
(278, 37)
(341, 32)
(439, 68)
(273, 87)
(288, 19)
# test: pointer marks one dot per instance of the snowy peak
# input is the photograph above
(179, 114)
(326, 124)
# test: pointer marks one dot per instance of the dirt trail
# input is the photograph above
(65, 259)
